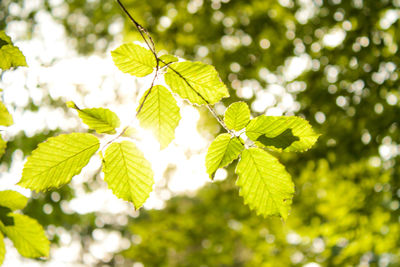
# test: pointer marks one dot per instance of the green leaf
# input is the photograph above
(12, 200)
(28, 236)
(197, 82)
(3, 146)
(10, 55)
(222, 151)
(2, 249)
(282, 133)
(100, 119)
(160, 113)
(264, 183)
(167, 59)
(134, 59)
(57, 160)
(237, 116)
(5, 117)
(127, 172)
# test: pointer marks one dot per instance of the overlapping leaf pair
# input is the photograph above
(265, 185)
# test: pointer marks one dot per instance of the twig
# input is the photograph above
(141, 30)
(151, 46)
(214, 113)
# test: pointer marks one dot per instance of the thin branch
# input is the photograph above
(151, 46)
(214, 113)
(141, 30)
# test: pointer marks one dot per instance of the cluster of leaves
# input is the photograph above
(26, 233)
(265, 184)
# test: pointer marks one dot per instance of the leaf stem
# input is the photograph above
(114, 138)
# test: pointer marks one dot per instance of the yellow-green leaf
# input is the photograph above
(167, 59)
(57, 160)
(237, 116)
(127, 172)
(160, 113)
(27, 235)
(197, 82)
(2, 249)
(222, 151)
(134, 59)
(264, 183)
(12, 200)
(100, 119)
(287, 133)
(5, 117)
(10, 55)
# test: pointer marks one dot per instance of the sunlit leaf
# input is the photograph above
(28, 236)
(264, 183)
(167, 59)
(57, 160)
(134, 59)
(127, 172)
(12, 200)
(237, 116)
(10, 55)
(2, 249)
(100, 119)
(222, 151)
(287, 133)
(5, 117)
(197, 82)
(160, 113)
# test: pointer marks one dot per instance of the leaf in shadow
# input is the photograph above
(6, 220)
(283, 140)
(2, 43)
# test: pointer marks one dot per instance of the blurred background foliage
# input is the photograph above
(335, 62)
